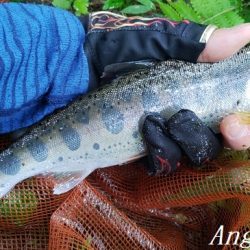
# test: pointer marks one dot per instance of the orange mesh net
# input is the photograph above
(124, 208)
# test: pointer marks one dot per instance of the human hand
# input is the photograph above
(235, 129)
(224, 42)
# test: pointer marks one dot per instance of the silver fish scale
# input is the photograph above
(211, 90)
(101, 128)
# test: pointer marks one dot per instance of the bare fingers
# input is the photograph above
(225, 42)
(236, 130)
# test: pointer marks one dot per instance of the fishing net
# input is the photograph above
(123, 208)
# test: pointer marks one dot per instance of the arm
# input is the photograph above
(42, 63)
(225, 42)
(113, 38)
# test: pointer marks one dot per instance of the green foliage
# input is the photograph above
(19, 206)
(246, 10)
(129, 6)
(168, 11)
(113, 4)
(184, 10)
(223, 13)
(63, 4)
(80, 7)
(144, 6)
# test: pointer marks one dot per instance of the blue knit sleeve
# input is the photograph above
(42, 63)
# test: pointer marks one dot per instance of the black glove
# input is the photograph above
(163, 153)
(183, 133)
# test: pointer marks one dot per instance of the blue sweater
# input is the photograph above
(42, 63)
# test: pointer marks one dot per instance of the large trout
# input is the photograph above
(101, 129)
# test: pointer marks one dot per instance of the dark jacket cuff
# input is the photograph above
(113, 38)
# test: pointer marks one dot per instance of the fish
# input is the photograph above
(101, 128)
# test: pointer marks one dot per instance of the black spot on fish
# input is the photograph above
(83, 116)
(71, 138)
(112, 118)
(96, 146)
(38, 150)
(60, 158)
(149, 99)
(10, 165)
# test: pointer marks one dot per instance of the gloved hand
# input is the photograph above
(183, 134)
(164, 154)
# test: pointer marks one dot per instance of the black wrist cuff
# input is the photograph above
(113, 39)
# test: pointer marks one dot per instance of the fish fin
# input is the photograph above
(65, 181)
(133, 159)
(116, 70)
(244, 117)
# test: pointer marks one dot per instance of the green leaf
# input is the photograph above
(210, 7)
(168, 11)
(245, 12)
(81, 6)
(237, 3)
(147, 3)
(63, 4)
(113, 4)
(185, 10)
(136, 9)
(221, 13)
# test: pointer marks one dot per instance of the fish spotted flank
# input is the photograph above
(101, 128)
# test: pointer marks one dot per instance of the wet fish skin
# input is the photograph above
(101, 129)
